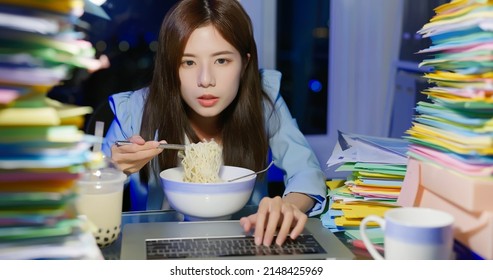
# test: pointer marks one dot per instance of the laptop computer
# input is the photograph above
(224, 240)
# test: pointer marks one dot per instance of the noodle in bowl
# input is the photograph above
(208, 201)
(201, 162)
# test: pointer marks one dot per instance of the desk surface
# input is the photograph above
(112, 252)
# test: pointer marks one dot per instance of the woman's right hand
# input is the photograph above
(131, 158)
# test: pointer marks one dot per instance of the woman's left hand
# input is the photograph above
(274, 213)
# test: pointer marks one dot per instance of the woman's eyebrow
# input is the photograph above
(222, 53)
(214, 54)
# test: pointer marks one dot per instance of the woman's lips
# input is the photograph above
(208, 100)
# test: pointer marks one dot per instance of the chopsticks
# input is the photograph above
(162, 146)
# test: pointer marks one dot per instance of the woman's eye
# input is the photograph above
(187, 63)
(222, 61)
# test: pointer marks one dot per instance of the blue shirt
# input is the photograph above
(290, 150)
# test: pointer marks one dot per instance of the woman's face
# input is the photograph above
(210, 72)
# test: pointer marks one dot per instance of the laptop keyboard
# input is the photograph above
(227, 247)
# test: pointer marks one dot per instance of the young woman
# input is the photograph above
(206, 84)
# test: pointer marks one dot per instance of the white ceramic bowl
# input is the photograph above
(208, 201)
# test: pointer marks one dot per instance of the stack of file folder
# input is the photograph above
(376, 167)
(451, 155)
(42, 149)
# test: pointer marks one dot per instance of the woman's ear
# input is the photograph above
(245, 62)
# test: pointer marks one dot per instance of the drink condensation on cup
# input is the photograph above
(100, 200)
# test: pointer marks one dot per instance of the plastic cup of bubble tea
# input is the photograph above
(100, 198)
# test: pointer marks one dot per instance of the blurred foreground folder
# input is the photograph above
(467, 198)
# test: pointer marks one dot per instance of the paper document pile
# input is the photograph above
(42, 150)
(456, 129)
(377, 167)
(451, 151)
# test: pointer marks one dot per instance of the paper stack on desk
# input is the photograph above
(451, 155)
(376, 167)
(42, 150)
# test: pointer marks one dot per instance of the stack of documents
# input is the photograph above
(455, 129)
(42, 150)
(451, 152)
(376, 167)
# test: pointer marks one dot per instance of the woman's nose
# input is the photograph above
(206, 78)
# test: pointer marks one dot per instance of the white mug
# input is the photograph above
(412, 233)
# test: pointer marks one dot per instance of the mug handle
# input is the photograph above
(362, 228)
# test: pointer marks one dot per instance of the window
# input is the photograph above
(303, 58)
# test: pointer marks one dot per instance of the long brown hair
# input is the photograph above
(244, 135)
